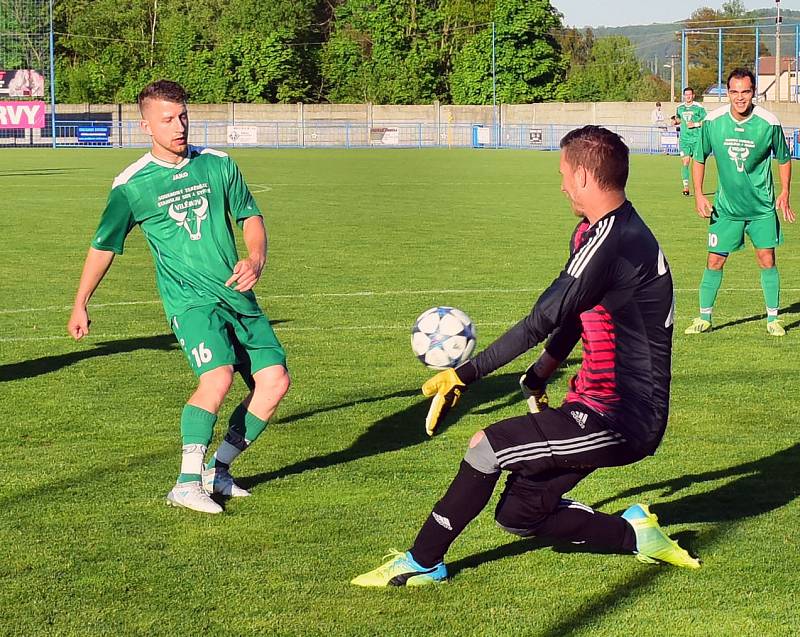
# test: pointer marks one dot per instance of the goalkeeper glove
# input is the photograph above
(446, 388)
(534, 389)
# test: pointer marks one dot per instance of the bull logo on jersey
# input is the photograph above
(198, 208)
(739, 155)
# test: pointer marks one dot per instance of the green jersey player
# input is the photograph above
(691, 116)
(743, 138)
(184, 199)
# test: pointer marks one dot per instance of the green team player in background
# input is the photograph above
(691, 116)
(743, 138)
(184, 198)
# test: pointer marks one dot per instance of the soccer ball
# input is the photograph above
(443, 337)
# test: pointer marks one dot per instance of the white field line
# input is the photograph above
(365, 293)
(335, 328)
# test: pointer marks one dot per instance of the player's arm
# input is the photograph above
(781, 151)
(579, 287)
(533, 383)
(782, 202)
(94, 269)
(248, 270)
(109, 240)
(701, 152)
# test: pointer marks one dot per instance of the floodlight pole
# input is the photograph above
(758, 48)
(52, 80)
(719, 66)
(684, 62)
(494, 88)
(778, 52)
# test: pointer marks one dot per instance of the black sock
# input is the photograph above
(600, 530)
(465, 498)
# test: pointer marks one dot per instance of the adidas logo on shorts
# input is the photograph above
(580, 418)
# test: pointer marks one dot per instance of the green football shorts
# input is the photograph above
(686, 146)
(726, 235)
(214, 335)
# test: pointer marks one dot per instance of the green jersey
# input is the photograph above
(743, 151)
(690, 114)
(184, 211)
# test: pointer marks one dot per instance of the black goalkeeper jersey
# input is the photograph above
(615, 293)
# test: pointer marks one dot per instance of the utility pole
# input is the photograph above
(671, 67)
(778, 52)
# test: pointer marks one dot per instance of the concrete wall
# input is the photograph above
(610, 113)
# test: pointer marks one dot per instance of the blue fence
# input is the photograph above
(104, 133)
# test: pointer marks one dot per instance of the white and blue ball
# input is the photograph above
(443, 337)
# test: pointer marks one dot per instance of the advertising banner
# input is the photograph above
(22, 114)
(21, 83)
(384, 136)
(239, 135)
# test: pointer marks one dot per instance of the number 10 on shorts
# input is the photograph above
(712, 240)
(201, 354)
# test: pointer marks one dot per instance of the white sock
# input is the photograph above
(192, 459)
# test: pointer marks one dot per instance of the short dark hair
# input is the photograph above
(740, 74)
(688, 88)
(166, 90)
(658, 103)
(601, 152)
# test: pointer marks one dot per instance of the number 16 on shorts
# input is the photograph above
(201, 355)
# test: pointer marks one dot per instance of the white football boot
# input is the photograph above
(219, 480)
(190, 495)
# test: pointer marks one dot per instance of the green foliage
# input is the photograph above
(384, 52)
(612, 73)
(738, 45)
(528, 61)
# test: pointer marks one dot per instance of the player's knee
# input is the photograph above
(272, 382)
(215, 384)
(480, 455)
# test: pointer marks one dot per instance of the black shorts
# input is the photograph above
(570, 437)
(548, 454)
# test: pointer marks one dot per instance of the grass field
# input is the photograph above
(362, 242)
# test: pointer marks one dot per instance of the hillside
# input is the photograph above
(660, 40)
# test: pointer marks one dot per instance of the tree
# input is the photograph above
(738, 44)
(612, 74)
(529, 64)
(384, 51)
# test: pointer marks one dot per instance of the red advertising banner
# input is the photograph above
(21, 83)
(22, 114)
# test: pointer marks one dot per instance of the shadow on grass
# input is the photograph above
(45, 172)
(47, 364)
(791, 309)
(401, 429)
(760, 486)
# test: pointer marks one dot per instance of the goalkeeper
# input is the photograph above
(615, 293)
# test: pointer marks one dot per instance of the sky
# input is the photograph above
(616, 13)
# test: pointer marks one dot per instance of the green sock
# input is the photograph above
(685, 174)
(771, 286)
(243, 429)
(197, 427)
(709, 286)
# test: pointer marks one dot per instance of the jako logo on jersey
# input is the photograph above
(198, 208)
(739, 154)
(580, 418)
(178, 176)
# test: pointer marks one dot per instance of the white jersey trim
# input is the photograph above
(587, 251)
(212, 151)
(768, 117)
(718, 112)
(125, 176)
